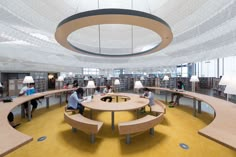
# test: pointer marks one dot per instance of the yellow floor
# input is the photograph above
(179, 126)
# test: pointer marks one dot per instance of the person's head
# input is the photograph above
(146, 90)
(179, 84)
(75, 83)
(97, 89)
(31, 84)
(108, 87)
(80, 92)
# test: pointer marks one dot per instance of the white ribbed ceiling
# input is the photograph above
(202, 29)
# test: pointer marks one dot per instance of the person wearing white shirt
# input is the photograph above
(23, 91)
(107, 89)
(75, 99)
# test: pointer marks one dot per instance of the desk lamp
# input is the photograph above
(117, 83)
(28, 79)
(142, 79)
(166, 78)
(224, 81)
(138, 85)
(60, 79)
(194, 79)
(91, 85)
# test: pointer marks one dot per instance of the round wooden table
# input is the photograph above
(134, 103)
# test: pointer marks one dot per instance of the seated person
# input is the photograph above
(149, 95)
(75, 99)
(29, 91)
(97, 90)
(180, 86)
(105, 91)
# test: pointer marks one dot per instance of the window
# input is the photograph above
(90, 71)
(182, 70)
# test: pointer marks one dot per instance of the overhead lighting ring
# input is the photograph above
(113, 16)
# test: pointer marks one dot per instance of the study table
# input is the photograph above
(222, 129)
(134, 103)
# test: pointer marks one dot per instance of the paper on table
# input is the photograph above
(89, 99)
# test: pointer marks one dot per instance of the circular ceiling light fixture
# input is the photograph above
(113, 16)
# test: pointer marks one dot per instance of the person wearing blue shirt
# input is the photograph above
(75, 99)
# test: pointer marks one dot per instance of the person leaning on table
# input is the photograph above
(149, 95)
(180, 86)
(75, 99)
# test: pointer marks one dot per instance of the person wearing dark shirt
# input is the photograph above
(180, 86)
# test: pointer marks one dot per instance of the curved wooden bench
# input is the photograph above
(78, 121)
(158, 108)
(139, 125)
(222, 129)
(71, 110)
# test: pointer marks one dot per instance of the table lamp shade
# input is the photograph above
(224, 80)
(194, 78)
(138, 84)
(117, 82)
(90, 84)
(166, 78)
(70, 74)
(230, 88)
(60, 78)
(142, 78)
(28, 79)
(50, 76)
(86, 78)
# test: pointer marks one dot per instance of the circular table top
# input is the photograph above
(135, 102)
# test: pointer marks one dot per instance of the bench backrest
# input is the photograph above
(161, 104)
(141, 124)
(82, 123)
